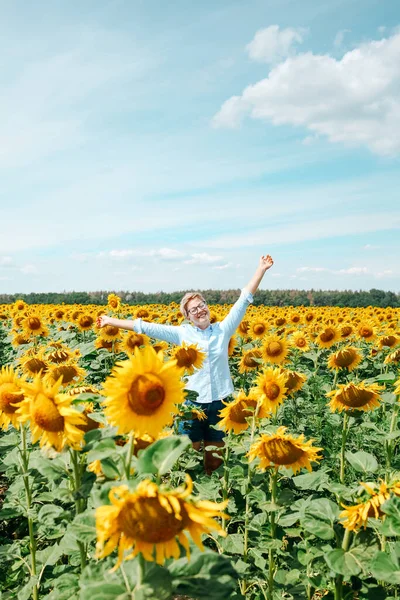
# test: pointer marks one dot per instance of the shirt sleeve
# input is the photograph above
(236, 314)
(168, 333)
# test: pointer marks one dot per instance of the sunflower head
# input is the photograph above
(188, 357)
(236, 415)
(346, 358)
(327, 336)
(52, 419)
(281, 449)
(355, 517)
(142, 393)
(275, 349)
(271, 386)
(114, 302)
(152, 520)
(11, 395)
(250, 360)
(352, 396)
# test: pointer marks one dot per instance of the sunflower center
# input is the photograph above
(366, 332)
(274, 349)
(45, 414)
(346, 331)
(35, 365)
(301, 342)
(279, 322)
(249, 361)
(147, 521)
(327, 335)
(146, 394)
(86, 321)
(241, 411)
(259, 329)
(295, 319)
(134, 340)
(67, 372)
(33, 323)
(292, 380)
(59, 356)
(356, 397)
(186, 357)
(344, 358)
(272, 391)
(388, 340)
(111, 330)
(10, 394)
(282, 452)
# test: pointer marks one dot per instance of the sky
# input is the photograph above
(156, 146)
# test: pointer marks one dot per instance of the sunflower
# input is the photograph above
(32, 363)
(52, 418)
(271, 387)
(275, 349)
(366, 331)
(188, 357)
(20, 305)
(109, 333)
(11, 395)
(142, 392)
(151, 521)
(34, 326)
(346, 358)
(353, 396)
(300, 340)
(257, 328)
(243, 328)
(111, 346)
(133, 340)
(85, 322)
(83, 389)
(388, 341)
(355, 517)
(283, 450)
(65, 372)
(250, 360)
(59, 314)
(160, 345)
(328, 336)
(294, 381)
(397, 389)
(89, 423)
(235, 415)
(114, 302)
(20, 339)
(393, 357)
(59, 355)
(232, 345)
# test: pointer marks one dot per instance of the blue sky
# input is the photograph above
(147, 145)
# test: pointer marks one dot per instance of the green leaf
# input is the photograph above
(103, 449)
(83, 527)
(317, 480)
(110, 468)
(161, 456)
(233, 544)
(384, 569)
(343, 563)
(319, 528)
(391, 525)
(207, 576)
(362, 462)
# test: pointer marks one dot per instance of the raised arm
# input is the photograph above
(168, 333)
(265, 263)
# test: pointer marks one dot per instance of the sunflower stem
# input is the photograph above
(339, 578)
(79, 507)
(28, 494)
(129, 455)
(248, 489)
(271, 560)
(225, 481)
(345, 431)
(390, 443)
(141, 570)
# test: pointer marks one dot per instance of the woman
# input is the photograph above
(212, 383)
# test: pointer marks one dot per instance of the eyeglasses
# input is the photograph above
(195, 309)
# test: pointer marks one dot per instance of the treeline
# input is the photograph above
(351, 298)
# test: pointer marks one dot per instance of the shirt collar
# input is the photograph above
(209, 328)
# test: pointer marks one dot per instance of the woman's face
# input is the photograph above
(199, 313)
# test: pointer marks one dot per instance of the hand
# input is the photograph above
(266, 262)
(102, 321)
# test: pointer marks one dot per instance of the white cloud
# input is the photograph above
(126, 254)
(29, 269)
(370, 247)
(226, 266)
(352, 271)
(354, 100)
(339, 37)
(384, 273)
(273, 44)
(202, 258)
(6, 261)
(311, 269)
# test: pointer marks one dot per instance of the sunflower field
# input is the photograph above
(101, 499)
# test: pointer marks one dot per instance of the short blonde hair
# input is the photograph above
(185, 301)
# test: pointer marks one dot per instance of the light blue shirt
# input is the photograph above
(213, 381)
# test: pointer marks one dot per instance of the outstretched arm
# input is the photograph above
(265, 263)
(168, 333)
